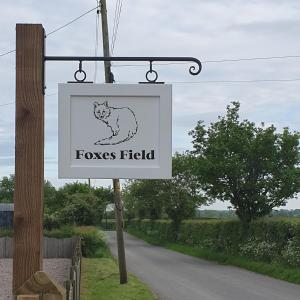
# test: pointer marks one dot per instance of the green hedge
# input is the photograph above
(267, 239)
(6, 232)
(92, 239)
(110, 224)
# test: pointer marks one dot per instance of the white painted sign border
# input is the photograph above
(66, 91)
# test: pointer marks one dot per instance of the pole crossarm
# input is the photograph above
(193, 70)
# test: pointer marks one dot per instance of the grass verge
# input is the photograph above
(100, 276)
(100, 281)
(277, 271)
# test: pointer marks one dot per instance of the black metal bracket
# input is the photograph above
(193, 70)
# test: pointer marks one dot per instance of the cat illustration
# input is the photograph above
(121, 121)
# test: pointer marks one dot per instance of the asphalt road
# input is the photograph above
(176, 276)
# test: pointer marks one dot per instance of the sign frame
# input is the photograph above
(68, 90)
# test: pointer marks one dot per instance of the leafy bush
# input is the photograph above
(76, 203)
(260, 250)
(61, 232)
(79, 211)
(108, 225)
(6, 232)
(92, 240)
(51, 222)
(291, 253)
(267, 239)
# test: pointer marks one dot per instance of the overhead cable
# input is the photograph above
(9, 103)
(72, 21)
(118, 10)
(96, 43)
(59, 28)
(225, 81)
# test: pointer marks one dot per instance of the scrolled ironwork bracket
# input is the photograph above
(193, 70)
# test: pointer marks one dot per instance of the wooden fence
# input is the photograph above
(73, 284)
(53, 248)
(6, 249)
(56, 248)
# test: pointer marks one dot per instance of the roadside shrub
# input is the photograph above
(260, 250)
(210, 244)
(61, 232)
(6, 233)
(266, 239)
(92, 240)
(50, 222)
(291, 253)
(108, 225)
(273, 230)
(78, 212)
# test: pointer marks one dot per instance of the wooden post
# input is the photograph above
(29, 152)
(119, 231)
(116, 182)
(42, 284)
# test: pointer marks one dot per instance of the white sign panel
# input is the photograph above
(114, 130)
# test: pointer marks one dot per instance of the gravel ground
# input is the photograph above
(57, 268)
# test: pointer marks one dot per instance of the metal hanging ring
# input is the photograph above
(79, 72)
(155, 76)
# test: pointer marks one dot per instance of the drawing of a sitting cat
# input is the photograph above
(121, 121)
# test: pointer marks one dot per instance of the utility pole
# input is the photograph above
(116, 182)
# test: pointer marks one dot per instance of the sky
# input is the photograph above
(208, 30)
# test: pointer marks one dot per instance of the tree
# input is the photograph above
(50, 201)
(74, 188)
(81, 204)
(182, 194)
(177, 197)
(63, 193)
(7, 189)
(79, 210)
(254, 167)
(141, 198)
(103, 197)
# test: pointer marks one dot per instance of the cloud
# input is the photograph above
(208, 30)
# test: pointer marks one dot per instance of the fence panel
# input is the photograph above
(6, 247)
(56, 248)
(53, 248)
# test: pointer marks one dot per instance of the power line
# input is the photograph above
(8, 52)
(226, 81)
(7, 103)
(213, 61)
(115, 21)
(59, 28)
(97, 40)
(115, 18)
(201, 82)
(72, 21)
(10, 103)
(240, 81)
(52, 94)
(118, 9)
(251, 58)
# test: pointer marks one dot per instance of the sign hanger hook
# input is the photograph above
(80, 71)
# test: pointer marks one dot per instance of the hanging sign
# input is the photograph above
(114, 130)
